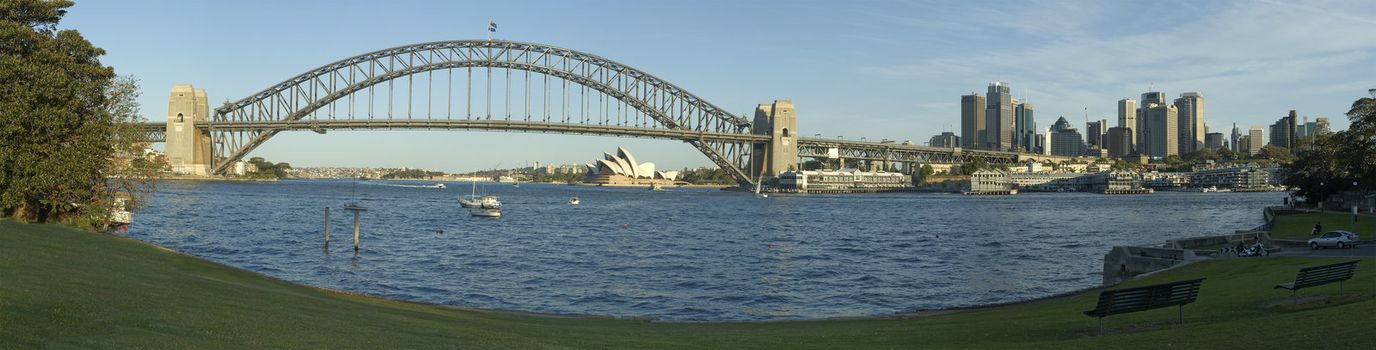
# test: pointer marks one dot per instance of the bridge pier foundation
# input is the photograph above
(779, 121)
(188, 149)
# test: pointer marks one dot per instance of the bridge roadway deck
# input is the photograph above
(807, 147)
(467, 124)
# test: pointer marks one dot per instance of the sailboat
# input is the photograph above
(353, 193)
(759, 181)
(473, 201)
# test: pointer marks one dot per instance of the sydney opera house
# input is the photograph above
(622, 169)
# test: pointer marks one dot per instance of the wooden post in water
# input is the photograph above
(355, 232)
(327, 227)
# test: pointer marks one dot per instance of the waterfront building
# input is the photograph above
(999, 118)
(972, 121)
(1094, 132)
(1255, 139)
(843, 181)
(1162, 133)
(1190, 108)
(1162, 180)
(990, 182)
(1025, 130)
(1213, 140)
(622, 169)
(1065, 140)
(1119, 141)
(1248, 177)
(945, 140)
(1117, 182)
(1127, 118)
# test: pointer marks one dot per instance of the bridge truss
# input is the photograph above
(500, 85)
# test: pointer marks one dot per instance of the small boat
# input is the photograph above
(573, 201)
(656, 187)
(438, 185)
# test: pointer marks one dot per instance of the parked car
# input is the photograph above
(1339, 239)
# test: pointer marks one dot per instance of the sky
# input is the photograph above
(874, 69)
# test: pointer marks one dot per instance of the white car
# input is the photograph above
(1339, 239)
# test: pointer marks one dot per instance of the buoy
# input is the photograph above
(625, 226)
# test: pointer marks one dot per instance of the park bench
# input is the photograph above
(1121, 301)
(1321, 275)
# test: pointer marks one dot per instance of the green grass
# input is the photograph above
(63, 288)
(1298, 226)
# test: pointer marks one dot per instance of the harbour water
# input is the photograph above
(678, 254)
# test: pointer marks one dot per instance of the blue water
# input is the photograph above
(679, 254)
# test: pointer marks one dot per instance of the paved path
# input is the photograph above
(1366, 251)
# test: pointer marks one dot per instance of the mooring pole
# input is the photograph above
(327, 227)
(355, 232)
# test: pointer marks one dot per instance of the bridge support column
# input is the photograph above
(780, 154)
(188, 149)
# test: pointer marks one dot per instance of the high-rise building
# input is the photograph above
(1094, 132)
(1213, 140)
(1191, 124)
(1025, 126)
(945, 140)
(1255, 139)
(1065, 140)
(999, 119)
(1237, 136)
(1127, 118)
(1118, 141)
(1283, 132)
(1161, 134)
(1044, 142)
(972, 121)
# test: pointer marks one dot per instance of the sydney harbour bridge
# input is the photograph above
(494, 85)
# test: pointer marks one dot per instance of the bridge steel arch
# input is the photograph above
(283, 105)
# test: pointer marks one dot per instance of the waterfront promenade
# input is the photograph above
(69, 288)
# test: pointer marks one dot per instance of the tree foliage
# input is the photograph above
(61, 117)
(1338, 162)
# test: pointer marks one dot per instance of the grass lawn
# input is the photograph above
(1298, 226)
(63, 288)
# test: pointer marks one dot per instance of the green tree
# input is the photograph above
(925, 172)
(1275, 153)
(58, 136)
(1336, 162)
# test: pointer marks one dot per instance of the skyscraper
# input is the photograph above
(1237, 136)
(972, 121)
(1283, 132)
(1127, 118)
(1191, 113)
(1119, 141)
(1065, 140)
(1094, 133)
(1255, 139)
(1213, 140)
(1162, 133)
(1026, 126)
(999, 118)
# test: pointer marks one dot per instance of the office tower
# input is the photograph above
(1213, 140)
(1127, 118)
(1283, 132)
(1191, 113)
(1320, 126)
(1094, 132)
(1025, 126)
(945, 140)
(1162, 133)
(1118, 140)
(972, 121)
(1065, 140)
(1044, 144)
(1237, 136)
(999, 117)
(1255, 139)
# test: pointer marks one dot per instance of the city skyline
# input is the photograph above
(899, 82)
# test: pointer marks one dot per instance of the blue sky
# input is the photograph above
(884, 69)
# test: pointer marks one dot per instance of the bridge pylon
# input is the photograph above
(188, 147)
(779, 121)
